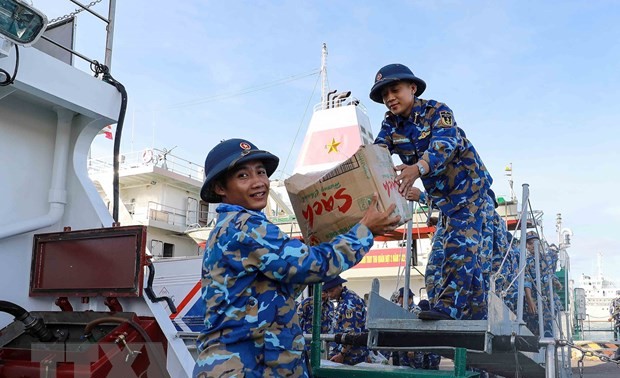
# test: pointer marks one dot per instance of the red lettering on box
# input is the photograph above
(389, 186)
(316, 208)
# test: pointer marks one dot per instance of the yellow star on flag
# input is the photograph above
(333, 146)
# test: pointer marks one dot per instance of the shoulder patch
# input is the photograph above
(445, 118)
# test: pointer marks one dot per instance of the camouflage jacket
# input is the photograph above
(252, 272)
(457, 174)
(305, 311)
(350, 316)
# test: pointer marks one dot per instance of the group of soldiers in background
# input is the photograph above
(499, 257)
(344, 311)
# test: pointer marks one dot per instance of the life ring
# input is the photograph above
(147, 156)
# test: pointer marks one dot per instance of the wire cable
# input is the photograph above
(10, 79)
(290, 151)
(255, 88)
(104, 71)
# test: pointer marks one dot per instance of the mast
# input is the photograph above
(508, 171)
(599, 266)
(324, 82)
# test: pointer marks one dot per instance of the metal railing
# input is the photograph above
(109, 21)
(337, 103)
(149, 157)
(155, 211)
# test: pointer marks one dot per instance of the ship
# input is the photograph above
(599, 294)
(101, 276)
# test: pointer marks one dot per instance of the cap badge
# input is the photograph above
(379, 77)
(245, 146)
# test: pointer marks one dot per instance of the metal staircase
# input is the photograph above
(499, 345)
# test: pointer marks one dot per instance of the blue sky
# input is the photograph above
(533, 83)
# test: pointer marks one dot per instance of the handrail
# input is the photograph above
(109, 21)
(149, 157)
(341, 103)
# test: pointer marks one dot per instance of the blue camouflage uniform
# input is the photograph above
(432, 274)
(509, 290)
(349, 316)
(251, 274)
(457, 184)
(530, 282)
(548, 273)
(495, 244)
(552, 258)
(304, 312)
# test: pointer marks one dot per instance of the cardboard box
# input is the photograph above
(329, 203)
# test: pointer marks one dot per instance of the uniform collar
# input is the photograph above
(418, 104)
(228, 208)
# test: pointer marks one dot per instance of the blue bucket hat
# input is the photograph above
(227, 155)
(333, 283)
(401, 293)
(391, 74)
(531, 235)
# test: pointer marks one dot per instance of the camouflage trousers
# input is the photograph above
(247, 359)
(432, 275)
(531, 320)
(494, 246)
(462, 294)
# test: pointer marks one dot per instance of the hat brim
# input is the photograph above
(375, 92)
(333, 283)
(206, 192)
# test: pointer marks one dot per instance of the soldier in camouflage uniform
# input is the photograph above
(508, 289)
(305, 311)
(349, 316)
(432, 275)
(531, 292)
(252, 272)
(495, 244)
(552, 257)
(426, 137)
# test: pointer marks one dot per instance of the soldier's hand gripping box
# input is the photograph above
(329, 203)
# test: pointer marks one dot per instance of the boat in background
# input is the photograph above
(158, 190)
(599, 294)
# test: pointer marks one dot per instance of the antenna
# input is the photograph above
(324, 82)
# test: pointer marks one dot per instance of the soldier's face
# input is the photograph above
(334, 292)
(246, 185)
(398, 97)
(529, 245)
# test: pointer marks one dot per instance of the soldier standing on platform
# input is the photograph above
(432, 147)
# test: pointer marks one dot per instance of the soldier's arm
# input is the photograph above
(444, 141)
(282, 258)
(385, 137)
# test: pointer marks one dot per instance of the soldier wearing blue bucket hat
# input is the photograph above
(252, 272)
(425, 135)
(349, 316)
